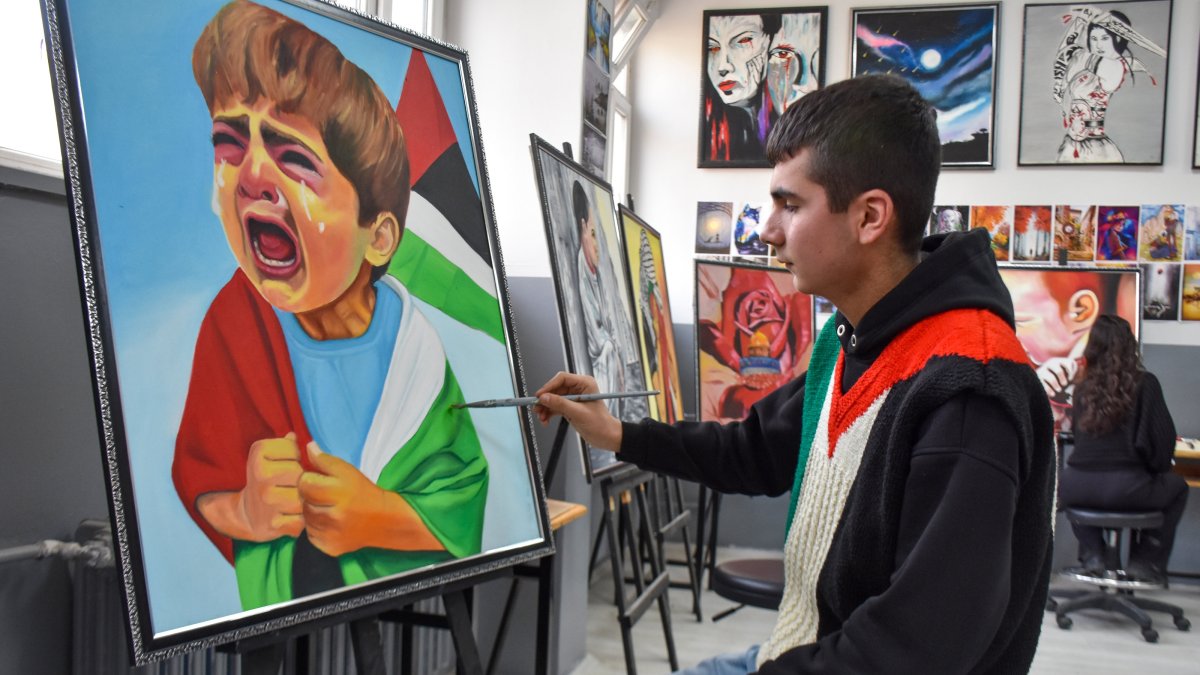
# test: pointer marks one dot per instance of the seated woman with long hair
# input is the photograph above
(1124, 441)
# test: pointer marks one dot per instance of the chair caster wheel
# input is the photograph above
(1182, 623)
(1150, 634)
(1051, 604)
(1064, 622)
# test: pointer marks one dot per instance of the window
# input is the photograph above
(28, 122)
(619, 141)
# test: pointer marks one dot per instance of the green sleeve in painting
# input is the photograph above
(432, 278)
(442, 473)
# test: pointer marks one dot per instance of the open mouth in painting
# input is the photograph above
(276, 249)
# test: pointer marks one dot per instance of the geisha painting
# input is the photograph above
(1093, 88)
(296, 311)
(754, 332)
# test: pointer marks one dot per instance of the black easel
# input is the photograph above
(286, 650)
(631, 480)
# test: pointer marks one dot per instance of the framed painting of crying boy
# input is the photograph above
(292, 280)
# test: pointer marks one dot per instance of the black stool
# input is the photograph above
(1116, 586)
(757, 582)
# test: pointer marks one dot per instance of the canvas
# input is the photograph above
(591, 286)
(754, 332)
(1191, 252)
(1094, 82)
(756, 63)
(647, 275)
(747, 229)
(1075, 232)
(1032, 234)
(599, 28)
(948, 53)
(1189, 299)
(1117, 233)
(595, 151)
(1160, 233)
(278, 325)
(714, 228)
(947, 218)
(1055, 308)
(595, 97)
(1160, 291)
(997, 220)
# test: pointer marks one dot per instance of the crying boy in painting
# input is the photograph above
(318, 446)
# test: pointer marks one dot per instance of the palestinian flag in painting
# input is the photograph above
(445, 214)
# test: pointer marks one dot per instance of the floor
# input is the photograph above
(1097, 644)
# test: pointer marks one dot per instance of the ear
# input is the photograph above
(1082, 310)
(875, 215)
(384, 239)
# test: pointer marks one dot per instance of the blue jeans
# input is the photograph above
(737, 663)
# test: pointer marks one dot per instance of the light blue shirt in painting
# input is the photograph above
(340, 381)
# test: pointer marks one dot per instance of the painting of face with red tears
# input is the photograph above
(754, 333)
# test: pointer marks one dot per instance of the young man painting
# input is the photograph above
(918, 446)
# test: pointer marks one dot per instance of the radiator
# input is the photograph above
(100, 641)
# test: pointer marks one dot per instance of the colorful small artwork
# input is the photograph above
(1160, 291)
(747, 227)
(1191, 247)
(1189, 299)
(944, 219)
(1117, 233)
(714, 228)
(599, 25)
(1032, 233)
(1160, 235)
(1075, 232)
(753, 333)
(997, 220)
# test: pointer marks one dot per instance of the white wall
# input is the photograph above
(666, 184)
(527, 64)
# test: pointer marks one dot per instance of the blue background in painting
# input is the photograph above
(164, 257)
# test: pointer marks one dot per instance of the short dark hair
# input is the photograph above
(869, 132)
(579, 203)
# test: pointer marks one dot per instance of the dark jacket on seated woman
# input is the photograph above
(1127, 466)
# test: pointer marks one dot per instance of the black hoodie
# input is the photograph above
(941, 558)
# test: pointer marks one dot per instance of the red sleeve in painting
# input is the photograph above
(242, 390)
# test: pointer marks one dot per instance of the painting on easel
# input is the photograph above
(291, 275)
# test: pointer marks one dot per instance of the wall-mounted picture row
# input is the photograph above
(1131, 233)
(731, 228)
(1093, 77)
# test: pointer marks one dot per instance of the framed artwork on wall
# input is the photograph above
(291, 274)
(948, 52)
(593, 293)
(1055, 308)
(754, 332)
(647, 272)
(1196, 122)
(756, 63)
(1094, 83)
(997, 220)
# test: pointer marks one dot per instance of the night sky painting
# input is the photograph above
(948, 54)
